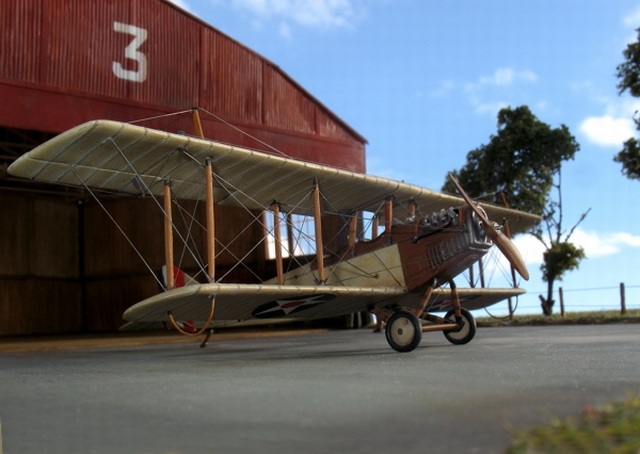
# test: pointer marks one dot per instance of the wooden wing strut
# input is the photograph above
(278, 242)
(317, 215)
(211, 232)
(168, 236)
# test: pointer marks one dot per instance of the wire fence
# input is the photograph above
(620, 297)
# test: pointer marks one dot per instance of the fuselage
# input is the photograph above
(410, 255)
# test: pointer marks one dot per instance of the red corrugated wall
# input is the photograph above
(68, 61)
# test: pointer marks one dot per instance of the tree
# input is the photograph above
(522, 164)
(628, 74)
(560, 255)
(519, 162)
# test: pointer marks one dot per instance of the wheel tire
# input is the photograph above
(466, 333)
(403, 331)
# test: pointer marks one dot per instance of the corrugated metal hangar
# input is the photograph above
(64, 267)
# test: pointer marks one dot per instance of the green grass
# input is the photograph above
(570, 318)
(612, 428)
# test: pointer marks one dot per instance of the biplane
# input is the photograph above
(404, 274)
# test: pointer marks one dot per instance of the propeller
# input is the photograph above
(503, 243)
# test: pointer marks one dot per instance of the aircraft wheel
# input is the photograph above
(403, 331)
(464, 334)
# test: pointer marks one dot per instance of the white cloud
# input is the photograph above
(181, 4)
(285, 30)
(615, 125)
(507, 76)
(530, 248)
(597, 244)
(607, 131)
(443, 90)
(488, 94)
(632, 19)
(305, 13)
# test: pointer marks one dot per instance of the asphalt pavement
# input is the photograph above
(322, 392)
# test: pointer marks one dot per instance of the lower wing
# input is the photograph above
(244, 302)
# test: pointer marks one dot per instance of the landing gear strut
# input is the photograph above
(404, 326)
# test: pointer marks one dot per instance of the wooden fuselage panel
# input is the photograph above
(442, 252)
(398, 259)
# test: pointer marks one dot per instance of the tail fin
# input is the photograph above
(180, 278)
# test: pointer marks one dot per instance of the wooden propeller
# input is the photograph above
(503, 243)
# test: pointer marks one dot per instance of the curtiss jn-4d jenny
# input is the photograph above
(403, 275)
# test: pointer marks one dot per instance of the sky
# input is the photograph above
(423, 81)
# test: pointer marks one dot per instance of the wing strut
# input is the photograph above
(168, 236)
(211, 232)
(278, 242)
(318, 226)
(209, 202)
(388, 215)
(353, 226)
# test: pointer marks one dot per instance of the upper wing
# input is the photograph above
(240, 302)
(135, 160)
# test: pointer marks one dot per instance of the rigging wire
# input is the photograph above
(126, 237)
(156, 117)
(244, 133)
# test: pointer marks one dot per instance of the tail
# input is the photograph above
(180, 278)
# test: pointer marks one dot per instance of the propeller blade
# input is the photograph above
(506, 246)
(511, 252)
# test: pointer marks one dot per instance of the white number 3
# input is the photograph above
(131, 52)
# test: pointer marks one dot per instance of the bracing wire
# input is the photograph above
(126, 237)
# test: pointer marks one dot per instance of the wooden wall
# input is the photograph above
(39, 288)
(67, 268)
(116, 277)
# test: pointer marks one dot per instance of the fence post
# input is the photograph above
(623, 303)
(561, 301)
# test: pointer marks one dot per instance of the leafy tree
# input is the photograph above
(628, 74)
(629, 157)
(560, 255)
(521, 163)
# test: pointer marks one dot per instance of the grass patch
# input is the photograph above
(611, 428)
(570, 318)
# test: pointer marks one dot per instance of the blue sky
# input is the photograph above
(423, 81)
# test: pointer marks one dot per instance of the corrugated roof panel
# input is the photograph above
(328, 127)
(19, 43)
(109, 56)
(80, 56)
(171, 47)
(231, 84)
(146, 53)
(285, 106)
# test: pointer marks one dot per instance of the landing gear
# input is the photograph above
(403, 331)
(466, 330)
(404, 328)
